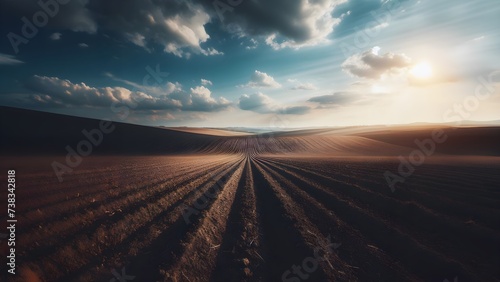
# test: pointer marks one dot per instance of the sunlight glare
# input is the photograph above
(422, 70)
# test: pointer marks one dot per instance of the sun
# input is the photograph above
(422, 70)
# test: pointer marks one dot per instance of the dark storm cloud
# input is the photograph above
(72, 15)
(178, 26)
(172, 24)
(297, 22)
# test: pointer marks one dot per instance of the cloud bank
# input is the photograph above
(263, 104)
(59, 92)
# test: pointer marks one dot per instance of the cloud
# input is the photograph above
(53, 90)
(83, 45)
(9, 60)
(55, 36)
(261, 79)
(75, 15)
(371, 65)
(199, 99)
(285, 24)
(178, 26)
(161, 116)
(297, 110)
(156, 89)
(304, 86)
(211, 52)
(335, 99)
(256, 102)
(254, 44)
(368, 15)
(56, 91)
(263, 104)
(171, 88)
(205, 82)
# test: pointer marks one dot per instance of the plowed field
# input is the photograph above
(252, 216)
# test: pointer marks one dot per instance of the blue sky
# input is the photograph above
(256, 63)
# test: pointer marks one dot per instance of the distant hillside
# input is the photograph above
(483, 141)
(34, 132)
(26, 132)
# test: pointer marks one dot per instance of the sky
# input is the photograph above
(254, 63)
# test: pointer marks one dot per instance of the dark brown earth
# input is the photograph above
(309, 206)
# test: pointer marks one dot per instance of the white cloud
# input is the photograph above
(172, 87)
(178, 26)
(136, 38)
(56, 91)
(83, 45)
(9, 60)
(254, 44)
(371, 65)
(381, 26)
(155, 89)
(304, 86)
(211, 52)
(201, 91)
(200, 99)
(261, 79)
(257, 102)
(263, 104)
(206, 82)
